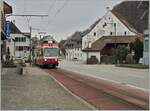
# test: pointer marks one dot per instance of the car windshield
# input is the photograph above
(50, 52)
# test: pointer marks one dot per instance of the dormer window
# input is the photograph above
(94, 33)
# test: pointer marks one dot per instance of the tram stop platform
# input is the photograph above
(35, 89)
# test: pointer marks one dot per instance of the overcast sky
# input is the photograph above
(64, 16)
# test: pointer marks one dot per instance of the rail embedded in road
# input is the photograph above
(102, 94)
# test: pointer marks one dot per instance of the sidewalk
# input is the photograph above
(35, 90)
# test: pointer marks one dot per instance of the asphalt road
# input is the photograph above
(131, 76)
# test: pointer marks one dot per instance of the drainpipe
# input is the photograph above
(0, 39)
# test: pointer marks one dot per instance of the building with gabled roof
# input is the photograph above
(106, 26)
(116, 23)
(73, 46)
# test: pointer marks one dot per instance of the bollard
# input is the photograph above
(20, 69)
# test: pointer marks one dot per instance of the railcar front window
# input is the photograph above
(50, 52)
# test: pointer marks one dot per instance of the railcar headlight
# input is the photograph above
(45, 59)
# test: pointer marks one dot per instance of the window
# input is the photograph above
(105, 24)
(27, 48)
(20, 39)
(110, 33)
(23, 39)
(41, 52)
(17, 39)
(94, 33)
(20, 48)
(17, 48)
(125, 33)
(146, 45)
(51, 52)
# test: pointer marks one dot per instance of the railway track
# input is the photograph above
(100, 93)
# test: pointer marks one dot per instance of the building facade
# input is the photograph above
(146, 48)
(117, 22)
(73, 46)
(74, 53)
(19, 46)
(109, 25)
(4, 9)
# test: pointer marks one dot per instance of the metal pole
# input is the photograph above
(31, 15)
(115, 42)
(30, 43)
(1, 36)
(14, 49)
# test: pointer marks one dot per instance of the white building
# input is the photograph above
(19, 46)
(73, 54)
(108, 25)
(73, 47)
(146, 48)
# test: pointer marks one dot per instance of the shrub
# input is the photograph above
(129, 59)
(121, 53)
(137, 47)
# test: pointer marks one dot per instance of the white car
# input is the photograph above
(140, 60)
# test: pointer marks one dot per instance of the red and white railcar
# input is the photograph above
(46, 53)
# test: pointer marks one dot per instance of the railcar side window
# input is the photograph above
(41, 52)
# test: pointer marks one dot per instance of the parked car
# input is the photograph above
(141, 61)
(19, 61)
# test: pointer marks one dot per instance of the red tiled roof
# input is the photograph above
(99, 44)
